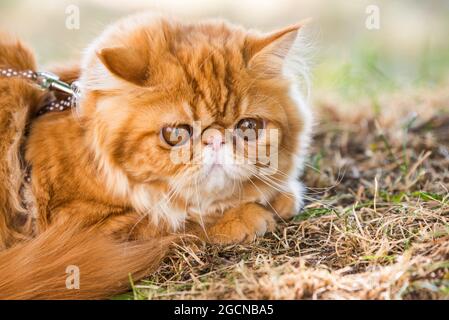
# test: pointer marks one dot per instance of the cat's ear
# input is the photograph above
(267, 53)
(127, 63)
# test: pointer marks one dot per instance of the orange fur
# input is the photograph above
(17, 99)
(37, 269)
(107, 174)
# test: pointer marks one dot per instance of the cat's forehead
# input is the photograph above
(207, 46)
(201, 65)
(212, 34)
(211, 66)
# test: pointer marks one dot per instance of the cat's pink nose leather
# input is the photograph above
(213, 137)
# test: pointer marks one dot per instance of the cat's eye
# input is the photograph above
(176, 135)
(249, 128)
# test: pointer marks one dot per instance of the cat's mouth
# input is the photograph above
(223, 175)
(215, 167)
(214, 171)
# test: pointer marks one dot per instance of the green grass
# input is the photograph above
(374, 70)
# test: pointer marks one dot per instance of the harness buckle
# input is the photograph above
(50, 81)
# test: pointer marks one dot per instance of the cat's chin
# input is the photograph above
(223, 176)
(215, 177)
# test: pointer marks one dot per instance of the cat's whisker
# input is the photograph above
(321, 202)
(240, 184)
(143, 216)
(271, 185)
(289, 195)
(175, 189)
(266, 179)
(200, 209)
(339, 175)
(266, 200)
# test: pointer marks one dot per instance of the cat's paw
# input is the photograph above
(242, 225)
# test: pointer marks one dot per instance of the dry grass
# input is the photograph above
(376, 222)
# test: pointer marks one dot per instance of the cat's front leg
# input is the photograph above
(241, 224)
(289, 203)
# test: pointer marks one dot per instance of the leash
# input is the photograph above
(47, 81)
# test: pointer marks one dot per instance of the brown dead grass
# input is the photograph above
(376, 225)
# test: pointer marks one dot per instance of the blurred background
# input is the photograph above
(409, 49)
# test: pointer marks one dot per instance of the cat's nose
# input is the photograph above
(213, 137)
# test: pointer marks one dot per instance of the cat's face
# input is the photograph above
(198, 106)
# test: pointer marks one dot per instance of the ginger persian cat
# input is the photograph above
(107, 189)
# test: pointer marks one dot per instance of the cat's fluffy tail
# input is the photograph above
(47, 266)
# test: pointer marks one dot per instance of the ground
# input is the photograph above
(375, 225)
